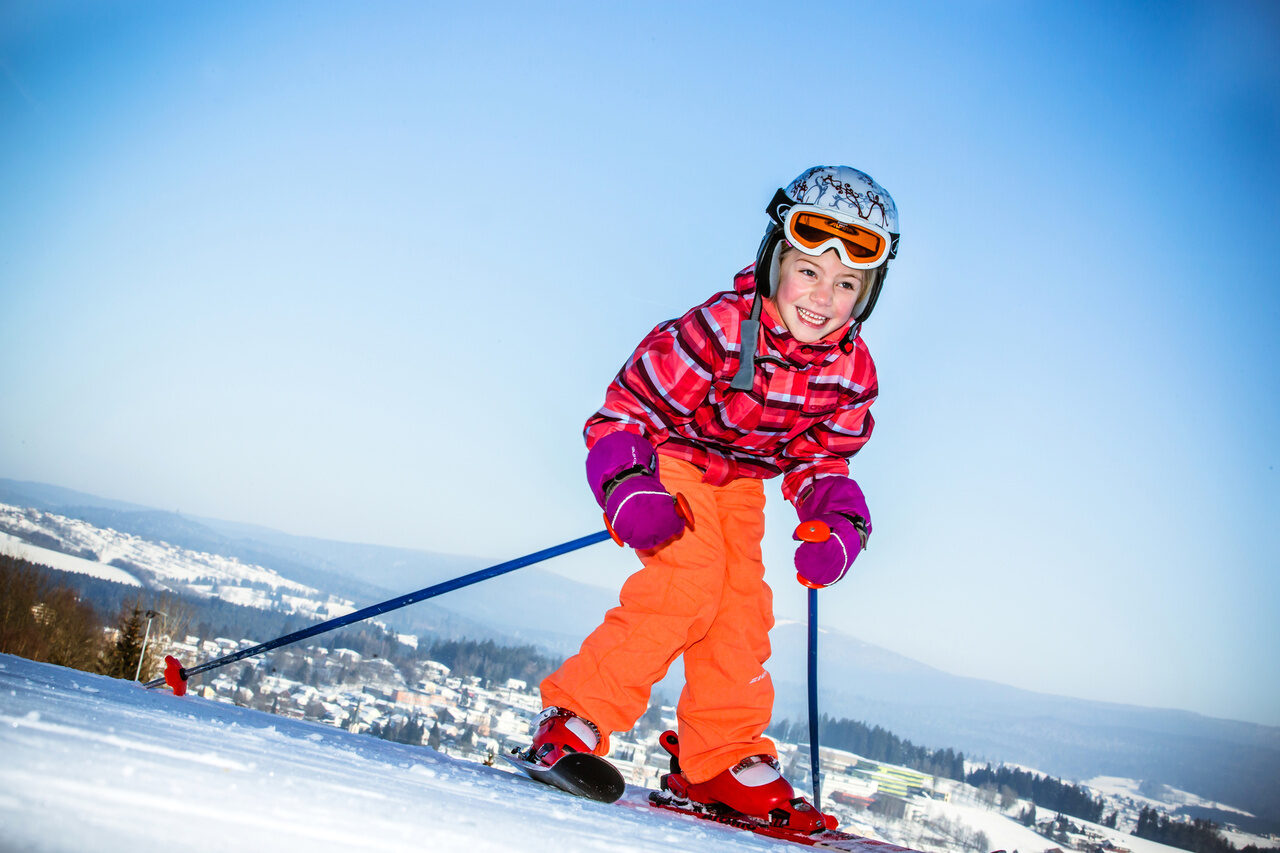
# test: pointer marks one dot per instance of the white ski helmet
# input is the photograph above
(827, 207)
(832, 207)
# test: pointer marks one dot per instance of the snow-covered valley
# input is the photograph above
(94, 763)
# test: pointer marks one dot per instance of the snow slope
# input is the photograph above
(15, 547)
(94, 763)
(129, 559)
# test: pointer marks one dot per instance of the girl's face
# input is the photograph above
(816, 296)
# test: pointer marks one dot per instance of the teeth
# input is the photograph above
(816, 319)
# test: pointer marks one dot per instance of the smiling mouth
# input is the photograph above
(811, 318)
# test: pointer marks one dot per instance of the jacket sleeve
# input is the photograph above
(666, 378)
(825, 448)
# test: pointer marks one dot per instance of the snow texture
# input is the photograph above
(95, 763)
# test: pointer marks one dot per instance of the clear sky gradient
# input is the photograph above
(361, 271)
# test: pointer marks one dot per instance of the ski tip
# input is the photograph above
(175, 676)
(578, 773)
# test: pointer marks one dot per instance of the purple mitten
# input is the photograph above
(838, 503)
(622, 471)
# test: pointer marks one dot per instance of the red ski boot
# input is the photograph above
(560, 731)
(753, 787)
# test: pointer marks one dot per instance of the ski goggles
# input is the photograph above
(860, 245)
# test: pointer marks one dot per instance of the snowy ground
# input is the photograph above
(89, 763)
(93, 763)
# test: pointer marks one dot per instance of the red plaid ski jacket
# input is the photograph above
(807, 413)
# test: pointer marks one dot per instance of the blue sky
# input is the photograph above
(361, 271)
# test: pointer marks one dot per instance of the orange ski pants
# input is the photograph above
(702, 595)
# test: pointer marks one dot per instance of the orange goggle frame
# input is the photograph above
(861, 245)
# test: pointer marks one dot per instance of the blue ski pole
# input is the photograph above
(814, 761)
(175, 675)
(813, 531)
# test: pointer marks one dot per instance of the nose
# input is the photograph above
(823, 294)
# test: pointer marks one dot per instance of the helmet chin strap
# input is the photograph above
(744, 378)
(849, 341)
(768, 259)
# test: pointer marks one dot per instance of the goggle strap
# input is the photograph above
(780, 200)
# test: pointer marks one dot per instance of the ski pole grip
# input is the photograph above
(813, 531)
(682, 509)
(175, 676)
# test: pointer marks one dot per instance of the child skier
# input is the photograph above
(769, 378)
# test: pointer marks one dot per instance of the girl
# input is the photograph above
(769, 378)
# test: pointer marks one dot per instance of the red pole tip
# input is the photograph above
(612, 533)
(684, 510)
(175, 676)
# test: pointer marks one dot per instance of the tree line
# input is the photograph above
(1045, 791)
(1197, 835)
(877, 744)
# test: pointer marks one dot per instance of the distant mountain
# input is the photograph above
(46, 497)
(1231, 762)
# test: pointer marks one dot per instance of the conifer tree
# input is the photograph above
(412, 732)
(121, 657)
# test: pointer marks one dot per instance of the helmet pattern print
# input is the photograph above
(841, 190)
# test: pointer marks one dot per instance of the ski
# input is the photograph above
(826, 839)
(829, 838)
(578, 773)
